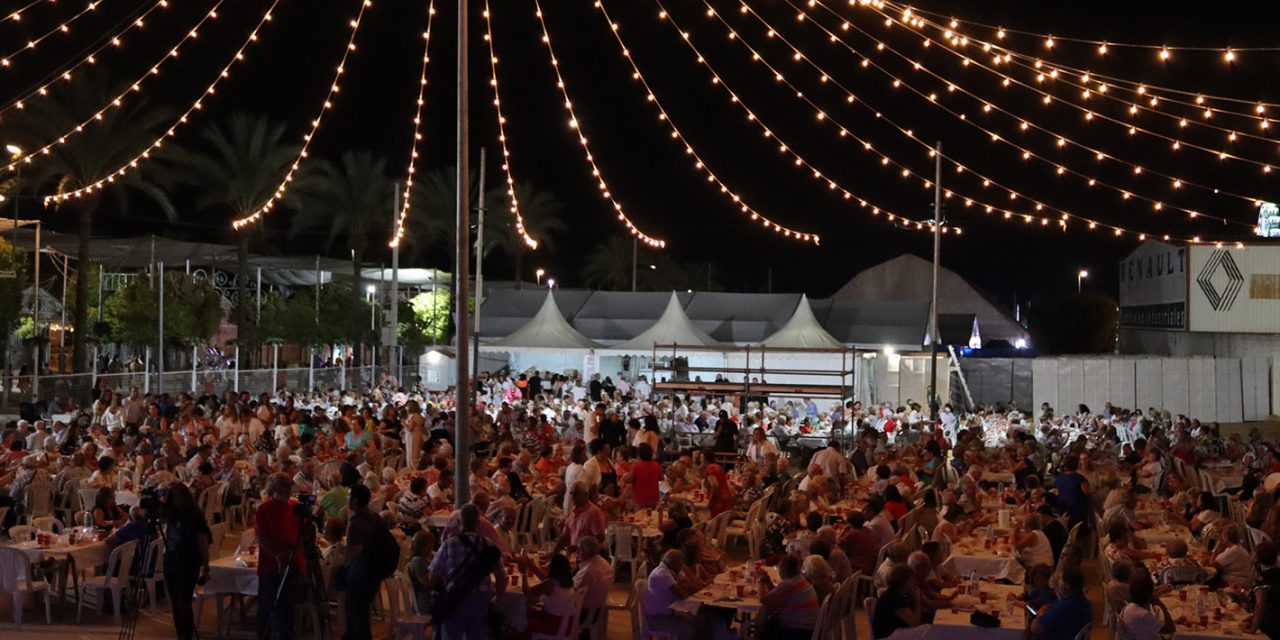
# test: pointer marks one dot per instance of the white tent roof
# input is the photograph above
(674, 327)
(546, 330)
(802, 331)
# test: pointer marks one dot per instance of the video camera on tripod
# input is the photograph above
(305, 510)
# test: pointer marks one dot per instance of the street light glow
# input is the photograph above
(1084, 274)
(371, 289)
(13, 149)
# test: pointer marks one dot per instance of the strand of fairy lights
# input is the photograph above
(1046, 98)
(502, 133)
(951, 32)
(16, 14)
(766, 131)
(64, 27)
(887, 160)
(699, 164)
(117, 101)
(315, 125)
(1026, 153)
(575, 124)
(398, 234)
(156, 144)
(114, 41)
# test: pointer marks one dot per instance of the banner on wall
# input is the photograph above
(1153, 287)
(1234, 289)
(590, 366)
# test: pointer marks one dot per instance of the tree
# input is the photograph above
(192, 311)
(608, 265)
(12, 277)
(427, 317)
(234, 168)
(354, 199)
(1076, 323)
(91, 155)
(541, 212)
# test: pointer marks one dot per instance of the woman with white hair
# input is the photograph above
(819, 574)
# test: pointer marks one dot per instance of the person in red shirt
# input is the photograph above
(893, 503)
(646, 474)
(277, 531)
(859, 543)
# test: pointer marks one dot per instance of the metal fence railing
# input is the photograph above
(52, 392)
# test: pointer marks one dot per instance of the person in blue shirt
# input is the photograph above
(1064, 619)
(1073, 490)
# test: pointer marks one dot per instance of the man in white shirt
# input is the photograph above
(834, 465)
(760, 446)
(666, 585)
(642, 389)
(1234, 565)
(878, 520)
(594, 575)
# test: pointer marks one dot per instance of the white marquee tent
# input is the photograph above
(802, 331)
(674, 327)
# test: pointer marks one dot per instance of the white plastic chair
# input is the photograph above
(39, 499)
(822, 630)
(624, 544)
(1085, 631)
(869, 605)
(87, 496)
(405, 618)
(154, 573)
(23, 533)
(570, 624)
(218, 533)
(47, 524)
(113, 581)
(16, 582)
(248, 537)
(646, 633)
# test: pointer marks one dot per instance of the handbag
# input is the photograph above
(984, 619)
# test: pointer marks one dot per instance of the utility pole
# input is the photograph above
(933, 307)
(462, 264)
(394, 312)
(35, 316)
(633, 263)
(479, 262)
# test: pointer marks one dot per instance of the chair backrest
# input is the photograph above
(23, 532)
(570, 624)
(641, 585)
(524, 518)
(40, 499)
(626, 541)
(822, 629)
(1256, 536)
(1074, 534)
(155, 559)
(86, 498)
(120, 560)
(754, 540)
(869, 605)
(246, 538)
(82, 518)
(15, 570)
(217, 533)
(755, 512)
(1181, 575)
(48, 524)
(1085, 631)
(842, 610)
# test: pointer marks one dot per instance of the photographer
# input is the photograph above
(186, 544)
(277, 529)
(366, 542)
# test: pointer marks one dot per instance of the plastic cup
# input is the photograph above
(982, 597)
(1204, 620)
(1182, 595)
(742, 590)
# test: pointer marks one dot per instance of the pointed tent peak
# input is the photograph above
(673, 327)
(547, 330)
(803, 331)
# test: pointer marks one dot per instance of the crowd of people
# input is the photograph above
(886, 496)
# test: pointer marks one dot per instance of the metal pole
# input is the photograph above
(160, 340)
(146, 372)
(102, 282)
(479, 262)
(235, 383)
(394, 311)
(319, 283)
(342, 370)
(634, 244)
(194, 354)
(462, 415)
(35, 317)
(257, 293)
(275, 367)
(62, 330)
(311, 368)
(933, 313)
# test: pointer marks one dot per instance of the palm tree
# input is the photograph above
(104, 146)
(608, 266)
(235, 168)
(352, 199)
(433, 214)
(541, 212)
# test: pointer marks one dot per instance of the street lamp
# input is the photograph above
(551, 283)
(538, 274)
(373, 310)
(1080, 280)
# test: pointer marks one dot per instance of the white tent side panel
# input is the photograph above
(913, 372)
(1261, 382)
(1097, 383)
(1149, 385)
(1248, 388)
(1230, 400)
(1070, 385)
(1200, 390)
(1176, 388)
(887, 378)
(1044, 383)
(1122, 383)
(556, 361)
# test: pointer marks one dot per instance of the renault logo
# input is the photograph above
(1220, 280)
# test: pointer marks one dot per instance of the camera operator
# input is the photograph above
(277, 529)
(186, 544)
(362, 579)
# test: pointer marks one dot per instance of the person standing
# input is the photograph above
(415, 427)
(186, 544)
(362, 579)
(277, 530)
(465, 574)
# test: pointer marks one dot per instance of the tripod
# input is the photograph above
(316, 594)
(130, 627)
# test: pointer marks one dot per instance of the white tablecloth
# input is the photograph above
(86, 556)
(993, 564)
(227, 575)
(1229, 626)
(949, 625)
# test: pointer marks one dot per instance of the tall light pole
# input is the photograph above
(1080, 280)
(462, 265)
(538, 275)
(633, 263)
(479, 261)
(933, 307)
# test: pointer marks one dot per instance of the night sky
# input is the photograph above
(287, 73)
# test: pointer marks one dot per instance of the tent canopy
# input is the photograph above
(802, 331)
(674, 327)
(548, 330)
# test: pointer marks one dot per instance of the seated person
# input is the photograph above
(931, 599)
(1235, 567)
(899, 605)
(555, 594)
(1117, 590)
(1177, 558)
(1064, 619)
(896, 554)
(1138, 620)
(790, 608)
(1037, 593)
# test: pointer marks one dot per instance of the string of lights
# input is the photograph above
(1046, 99)
(327, 105)
(63, 27)
(156, 144)
(16, 14)
(1059, 169)
(502, 133)
(117, 101)
(952, 29)
(576, 125)
(1062, 215)
(112, 41)
(398, 234)
(768, 133)
(699, 164)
